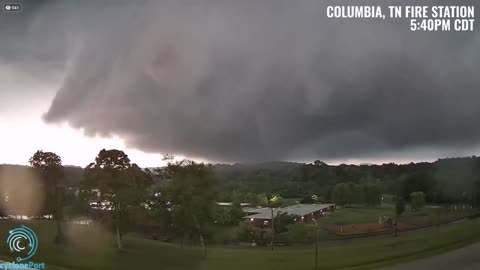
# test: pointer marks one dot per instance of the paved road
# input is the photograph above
(467, 258)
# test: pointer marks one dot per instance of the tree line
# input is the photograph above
(451, 180)
(181, 196)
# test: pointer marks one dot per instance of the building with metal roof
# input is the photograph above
(302, 212)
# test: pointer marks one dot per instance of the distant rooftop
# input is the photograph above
(297, 210)
(305, 209)
(255, 210)
(231, 203)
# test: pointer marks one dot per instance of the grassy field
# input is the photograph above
(361, 215)
(93, 248)
(357, 215)
(365, 254)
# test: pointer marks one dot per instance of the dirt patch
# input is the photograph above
(370, 228)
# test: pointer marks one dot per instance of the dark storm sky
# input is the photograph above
(229, 80)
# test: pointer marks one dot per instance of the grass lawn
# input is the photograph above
(365, 254)
(357, 215)
(362, 214)
(93, 248)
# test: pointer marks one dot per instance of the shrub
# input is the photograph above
(300, 232)
(417, 199)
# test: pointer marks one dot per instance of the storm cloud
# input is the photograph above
(229, 80)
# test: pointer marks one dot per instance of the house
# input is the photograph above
(303, 213)
(261, 217)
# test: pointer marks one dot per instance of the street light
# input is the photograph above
(273, 228)
(316, 244)
(271, 200)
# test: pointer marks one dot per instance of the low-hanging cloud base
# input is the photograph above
(264, 80)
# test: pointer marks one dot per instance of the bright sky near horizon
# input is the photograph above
(22, 130)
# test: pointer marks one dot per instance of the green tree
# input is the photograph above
(423, 182)
(476, 193)
(373, 194)
(162, 211)
(191, 193)
(276, 201)
(399, 209)
(417, 199)
(227, 215)
(77, 203)
(249, 233)
(282, 221)
(358, 193)
(319, 163)
(236, 214)
(342, 194)
(262, 200)
(236, 197)
(49, 166)
(300, 232)
(251, 198)
(121, 183)
(221, 215)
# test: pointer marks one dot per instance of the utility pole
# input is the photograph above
(396, 225)
(273, 228)
(316, 244)
(475, 199)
